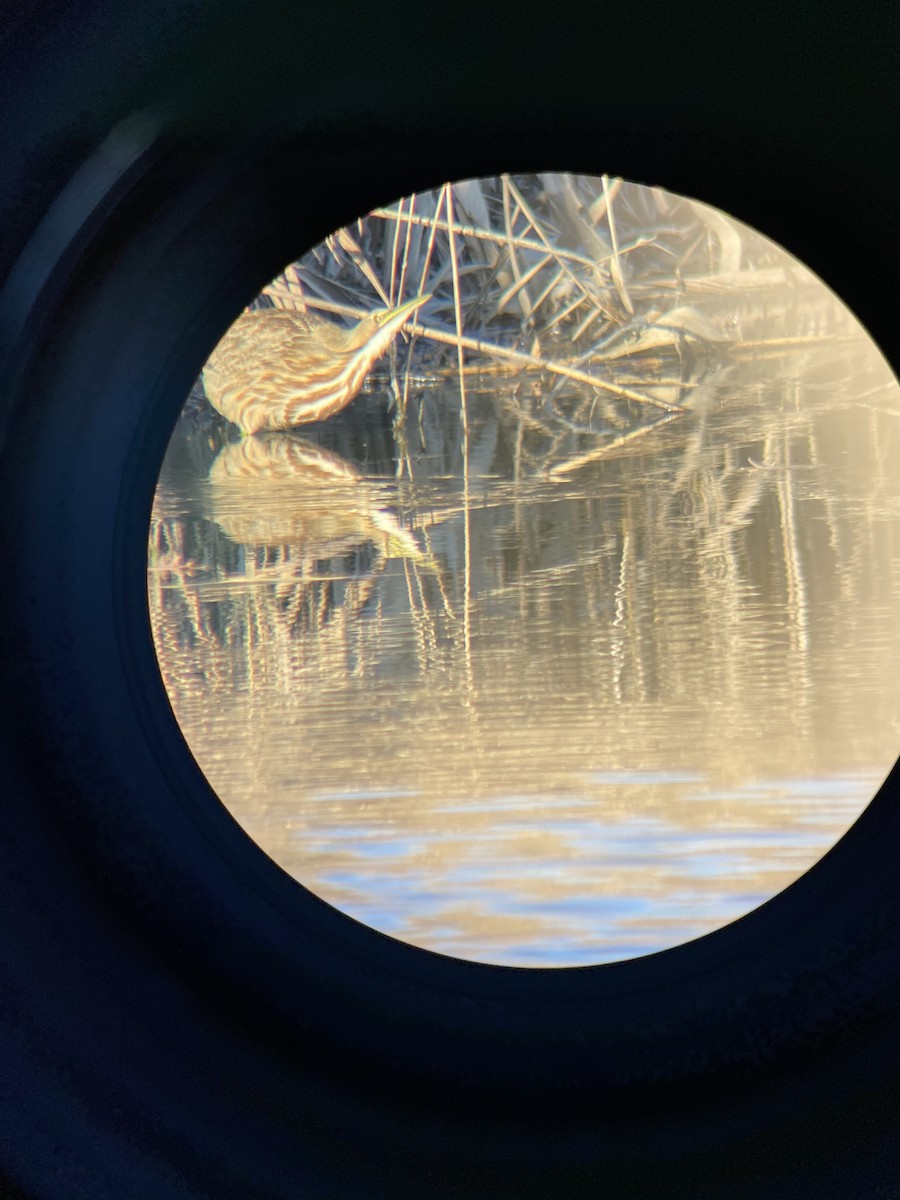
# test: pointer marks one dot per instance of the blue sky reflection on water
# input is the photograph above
(565, 686)
(693, 860)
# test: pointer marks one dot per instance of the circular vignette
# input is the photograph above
(181, 1017)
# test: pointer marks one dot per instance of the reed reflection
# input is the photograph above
(555, 676)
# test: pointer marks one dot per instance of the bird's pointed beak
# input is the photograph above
(394, 317)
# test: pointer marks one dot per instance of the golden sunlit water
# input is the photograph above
(533, 672)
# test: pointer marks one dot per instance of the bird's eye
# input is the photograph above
(561, 628)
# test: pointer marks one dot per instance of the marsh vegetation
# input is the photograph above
(572, 638)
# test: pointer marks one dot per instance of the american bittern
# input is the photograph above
(279, 490)
(275, 368)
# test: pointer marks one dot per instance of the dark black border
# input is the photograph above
(178, 1017)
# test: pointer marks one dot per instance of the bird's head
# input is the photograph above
(377, 330)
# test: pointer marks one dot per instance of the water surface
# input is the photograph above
(518, 693)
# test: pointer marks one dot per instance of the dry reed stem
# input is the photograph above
(550, 249)
(350, 246)
(487, 235)
(535, 362)
(457, 313)
(615, 265)
(573, 464)
(491, 349)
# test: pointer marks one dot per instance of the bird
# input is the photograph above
(276, 368)
(279, 489)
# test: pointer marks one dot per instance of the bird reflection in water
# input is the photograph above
(282, 490)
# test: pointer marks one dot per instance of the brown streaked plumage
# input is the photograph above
(275, 368)
(278, 490)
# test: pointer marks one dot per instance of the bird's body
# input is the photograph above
(275, 368)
